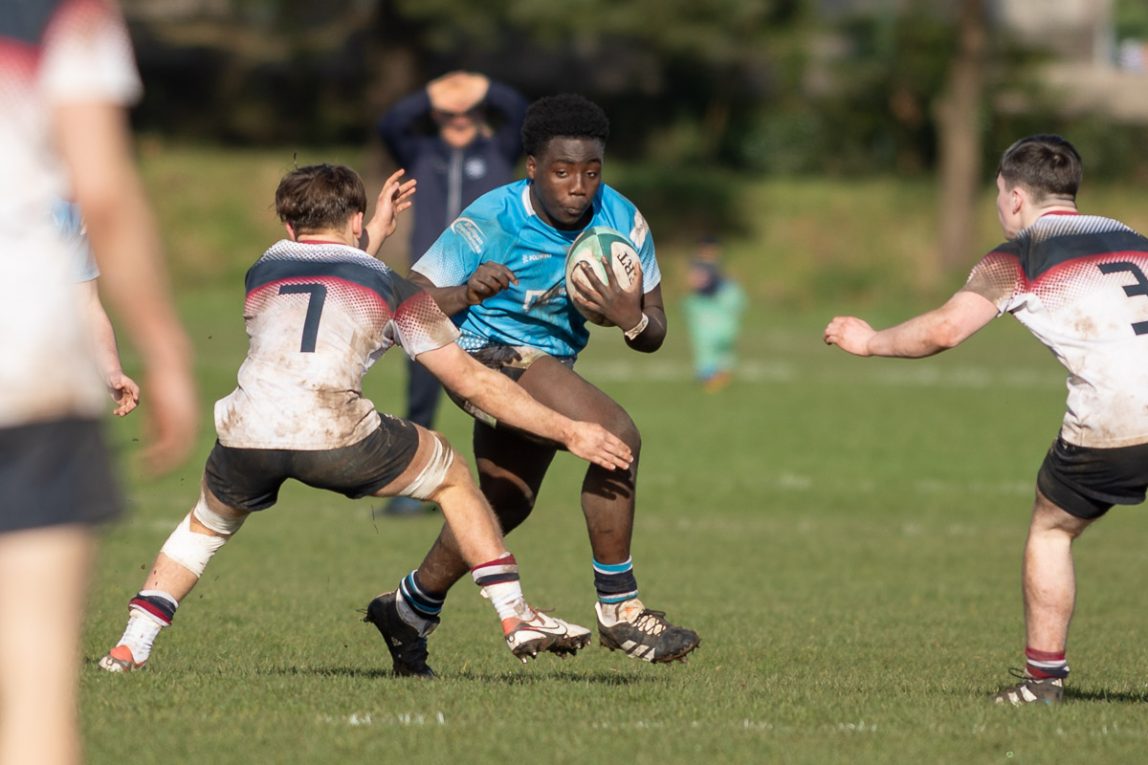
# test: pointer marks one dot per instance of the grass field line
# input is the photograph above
(759, 371)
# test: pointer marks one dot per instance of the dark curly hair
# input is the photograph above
(566, 115)
(318, 197)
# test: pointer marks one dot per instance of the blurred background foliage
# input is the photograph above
(775, 86)
(708, 100)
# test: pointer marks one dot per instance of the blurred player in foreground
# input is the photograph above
(319, 312)
(1078, 283)
(66, 74)
(499, 270)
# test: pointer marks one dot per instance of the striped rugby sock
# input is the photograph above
(500, 583)
(148, 613)
(615, 582)
(1043, 665)
(422, 601)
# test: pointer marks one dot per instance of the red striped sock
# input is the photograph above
(1043, 665)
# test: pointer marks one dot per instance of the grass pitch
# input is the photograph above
(844, 533)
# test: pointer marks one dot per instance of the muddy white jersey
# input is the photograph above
(1079, 283)
(318, 315)
(52, 53)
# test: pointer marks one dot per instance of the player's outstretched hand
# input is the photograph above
(125, 392)
(394, 198)
(594, 443)
(617, 306)
(487, 280)
(850, 334)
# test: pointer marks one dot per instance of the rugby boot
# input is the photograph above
(642, 633)
(120, 659)
(1031, 690)
(532, 631)
(407, 644)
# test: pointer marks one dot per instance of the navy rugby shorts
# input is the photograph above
(54, 473)
(1086, 482)
(249, 479)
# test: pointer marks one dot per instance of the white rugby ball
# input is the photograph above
(599, 247)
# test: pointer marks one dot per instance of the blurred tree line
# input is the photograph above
(696, 91)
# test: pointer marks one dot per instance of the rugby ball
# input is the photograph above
(600, 247)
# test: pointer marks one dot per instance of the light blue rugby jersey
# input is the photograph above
(501, 226)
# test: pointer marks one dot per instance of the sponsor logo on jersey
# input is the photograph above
(535, 256)
(470, 233)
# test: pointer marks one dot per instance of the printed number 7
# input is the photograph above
(318, 294)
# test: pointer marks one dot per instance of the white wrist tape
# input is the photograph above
(637, 329)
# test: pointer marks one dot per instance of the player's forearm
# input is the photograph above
(511, 405)
(922, 336)
(653, 334)
(450, 300)
(107, 354)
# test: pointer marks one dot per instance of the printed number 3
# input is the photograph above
(1131, 290)
(318, 294)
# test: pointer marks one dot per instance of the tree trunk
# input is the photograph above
(959, 136)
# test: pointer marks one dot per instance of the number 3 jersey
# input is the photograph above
(318, 315)
(1079, 283)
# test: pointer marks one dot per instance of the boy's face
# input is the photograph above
(566, 175)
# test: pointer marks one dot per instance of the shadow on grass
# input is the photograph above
(506, 678)
(1115, 697)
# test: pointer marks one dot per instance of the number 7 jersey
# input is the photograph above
(318, 315)
(1079, 283)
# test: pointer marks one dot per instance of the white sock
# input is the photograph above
(140, 634)
(508, 600)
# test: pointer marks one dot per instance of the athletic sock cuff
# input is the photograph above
(497, 571)
(615, 582)
(1045, 664)
(423, 602)
(155, 603)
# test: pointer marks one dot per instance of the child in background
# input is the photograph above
(713, 308)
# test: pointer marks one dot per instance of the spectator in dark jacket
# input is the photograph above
(460, 137)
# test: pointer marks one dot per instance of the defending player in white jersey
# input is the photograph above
(1078, 283)
(319, 312)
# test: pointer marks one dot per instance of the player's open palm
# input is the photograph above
(125, 392)
(593, 443)
(394, 198)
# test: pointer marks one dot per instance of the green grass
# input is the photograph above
(844, 533)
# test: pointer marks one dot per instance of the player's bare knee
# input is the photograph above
(627, 430)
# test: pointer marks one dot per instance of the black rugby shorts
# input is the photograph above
(249, 479)
(1087, 482)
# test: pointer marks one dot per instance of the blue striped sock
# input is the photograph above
(424, 603)
(615, 582)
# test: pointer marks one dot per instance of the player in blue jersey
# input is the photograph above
(499, 271)
(319, 312)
